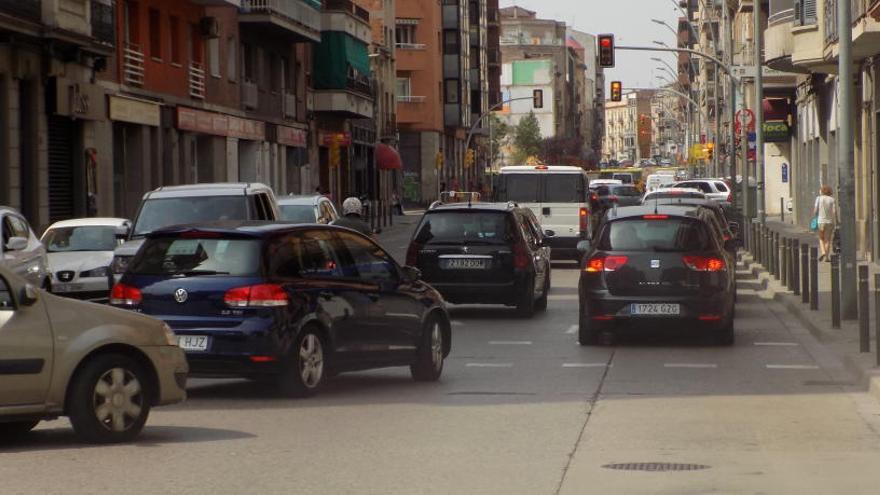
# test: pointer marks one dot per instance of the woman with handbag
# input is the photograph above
(824, 216)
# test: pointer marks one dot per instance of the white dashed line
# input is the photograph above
(563, 297)
(489, 365)
(777, 344)
(572, 330)
(510, 342)
(586, 365)
(456, 323)
(792, 367)
(691, 365)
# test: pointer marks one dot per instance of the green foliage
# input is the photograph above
(527, 138)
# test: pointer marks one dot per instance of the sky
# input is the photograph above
(628, 20)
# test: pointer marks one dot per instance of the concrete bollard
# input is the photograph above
(814, 278)
(864, 311)
(877, 318)
(805, 273)
(795, 267)
(784, 252)
(835, 291)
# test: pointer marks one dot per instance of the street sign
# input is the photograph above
(746, 117)
(784, 173)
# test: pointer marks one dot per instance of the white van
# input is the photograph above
(558, 197)
(656, 181)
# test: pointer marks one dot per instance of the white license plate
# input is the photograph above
(466, 264)
(67, 287)
(655, 309)
(193, 342)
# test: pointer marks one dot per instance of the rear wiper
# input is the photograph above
(666, 250)
(196, 273)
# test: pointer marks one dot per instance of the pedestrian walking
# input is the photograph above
(824, 218)
(395, 203)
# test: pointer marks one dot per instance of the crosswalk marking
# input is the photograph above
(489, 365)
(510, 342)
(586, 365)
(792, 367)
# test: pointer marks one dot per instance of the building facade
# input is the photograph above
(629, 127)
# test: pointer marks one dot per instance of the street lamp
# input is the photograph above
(666, 24)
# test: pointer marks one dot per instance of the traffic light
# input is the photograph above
(538, 97)
(606, 50)
(439, 160)
(616, 91)
(469, 159)
(710, 151)
(335, 152)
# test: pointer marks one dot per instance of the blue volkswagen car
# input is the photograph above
(291, 303)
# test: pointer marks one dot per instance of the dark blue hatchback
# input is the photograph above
(290, 303)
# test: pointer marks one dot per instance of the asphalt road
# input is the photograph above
(521, 409)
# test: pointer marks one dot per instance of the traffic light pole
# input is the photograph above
(492, 109)
(759, 111)
(845, 154)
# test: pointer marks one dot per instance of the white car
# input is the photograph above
(713, 188)
(673, 192)
(80, 252)
(21, 251)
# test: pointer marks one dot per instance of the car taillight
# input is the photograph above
(704, 263)
(729, 197)
(520, 256)
(606, 263)
(655, 217)
(613, 199)
(261, 296)
(412, 254)
(125, 295)
(585, 219)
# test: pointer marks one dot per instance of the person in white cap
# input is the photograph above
(351, 217)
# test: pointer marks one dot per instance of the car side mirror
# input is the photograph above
(549, 233)
(583, 247)
(410, 274)
(122, 232)
(29, 295)
(16, 244)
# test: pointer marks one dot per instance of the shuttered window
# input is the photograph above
(805, 12)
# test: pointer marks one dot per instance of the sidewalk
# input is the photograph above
(843, 342)
(395, 238)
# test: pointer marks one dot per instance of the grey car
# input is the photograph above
(307, 209)
(21, 251)
(102, 367)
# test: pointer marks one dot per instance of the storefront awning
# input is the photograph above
(387, 158)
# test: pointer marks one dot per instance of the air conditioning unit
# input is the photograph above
(209, 27)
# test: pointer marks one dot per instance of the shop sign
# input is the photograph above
(218, 124)
(79, 100)
(776, 132)
(247, 129)
(291, 136)
(340, 138)
(134, 111)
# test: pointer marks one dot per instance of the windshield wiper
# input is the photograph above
(196, 273)
(666, 250)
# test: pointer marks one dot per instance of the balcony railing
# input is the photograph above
(133, 65)
(103, 21)
(249, 95)
(299, 12)
(411, 99)
(290, 105)
(410, 46)
(348, 6)
(197, 80)
(27, 9)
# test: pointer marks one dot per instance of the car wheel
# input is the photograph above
(587, 333)
(541, 303)
(526, 304)
(429, 362)
(726, 336)
(15, 429)
(304, 371)
(109, 399)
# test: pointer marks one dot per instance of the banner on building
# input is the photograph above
(80, 100)
(134, 111)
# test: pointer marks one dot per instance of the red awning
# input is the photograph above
(387, 158)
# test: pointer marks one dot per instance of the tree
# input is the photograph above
(527, 138)
(500, 133)
(563, 151)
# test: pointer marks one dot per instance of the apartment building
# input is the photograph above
(629, 127)
(668, 130)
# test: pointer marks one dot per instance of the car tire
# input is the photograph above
(16, 429)
(541, 303)
(726, 335)
(304, 370)
(123, 386)
(429, 360)
(587, 332)
(525, 306)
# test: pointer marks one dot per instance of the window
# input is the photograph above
(284, 75)
(155, 34)
(195, 44)
(275, 72)
(174, 27)
(307, 255)
(231, 59)
(405, 34)
(176, 256)
(248, 62)
(20, 227)
(132, 31)
(368, 261)
(404, 86)
(451, 42)
(453, 95)
(722, 187)
(531, 236)
(464, 226)
(214, 57)
(298, 213)
(561, 188)
(674, 234)
(83, 238)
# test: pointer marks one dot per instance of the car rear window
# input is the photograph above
(627, 191)
(519, 187)
(721, 187)
(464, 227)
(563, 188)
(188, 256)
(298, 213)
(158, 213)
(665, 235)
(674, 195)
(626, 178)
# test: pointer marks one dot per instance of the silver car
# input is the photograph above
(307, 209)
(102, 367)
(21, 251)
(80, 252)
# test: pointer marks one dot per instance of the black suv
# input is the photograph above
(486, 253)
(653, 264)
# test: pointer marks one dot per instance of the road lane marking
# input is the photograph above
(489, 365)
(586, 365)
(777, 344)
(691, 365)
(456, 323)
(792, 367)
(572, 329)
(563, 297)
(510, 342)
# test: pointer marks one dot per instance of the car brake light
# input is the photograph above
(704, 263)
(412, 254)
(613, 198)
(584, 217)
(262, 296)
(125, 295)
(655, 217)
(606, 263)
(520, 257)
(729, 197)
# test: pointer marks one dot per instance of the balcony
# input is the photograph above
(411, 99)
(133, 65)
(249, 95)
(410, 46)
(346, 17)
(88, 25)
(31, 10)
(197, 80)
(349, 104)
(866, 30)
(296, 20)
(218, 3)
(290, 102)
(342, 76)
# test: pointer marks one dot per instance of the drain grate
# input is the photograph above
(655, 466)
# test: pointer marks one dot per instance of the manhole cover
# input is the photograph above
(655, 466)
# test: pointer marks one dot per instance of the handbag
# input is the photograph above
(814, 224)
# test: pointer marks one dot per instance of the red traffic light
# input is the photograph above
(606, 50)
(605, 42)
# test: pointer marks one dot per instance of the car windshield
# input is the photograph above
(464, 228)
(84, 238)
(664, 235)
(176, 256)
(298, 213)
(629, 191)
(158, 213)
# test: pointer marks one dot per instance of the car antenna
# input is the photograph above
(470, 199)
